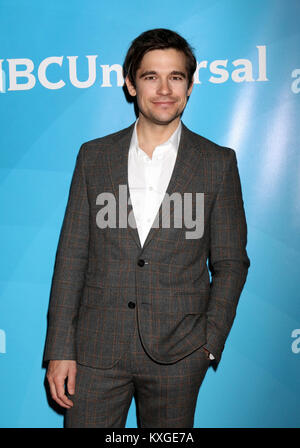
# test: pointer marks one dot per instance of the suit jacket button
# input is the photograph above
(141, 262)
(131, 305)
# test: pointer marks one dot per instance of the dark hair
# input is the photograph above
(157, 39)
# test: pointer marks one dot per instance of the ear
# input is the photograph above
(131, 89)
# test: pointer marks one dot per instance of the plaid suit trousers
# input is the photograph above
(165, 394)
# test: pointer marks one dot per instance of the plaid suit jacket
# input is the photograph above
(103, 279)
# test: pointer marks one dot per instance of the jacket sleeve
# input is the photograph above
(228, 259)
(69, 269)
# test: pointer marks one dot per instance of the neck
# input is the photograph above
(151, 135)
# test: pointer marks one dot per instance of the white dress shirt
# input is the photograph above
(148, 179)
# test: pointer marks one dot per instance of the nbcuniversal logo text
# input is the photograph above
(22, 74)
(296, 343)
(2, 341)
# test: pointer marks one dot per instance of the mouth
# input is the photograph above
(164, 103)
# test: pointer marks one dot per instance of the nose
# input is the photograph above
(164, 87)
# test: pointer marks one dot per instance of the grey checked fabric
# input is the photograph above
(97, 273)
(165, 394)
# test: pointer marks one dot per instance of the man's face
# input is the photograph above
(161, 86)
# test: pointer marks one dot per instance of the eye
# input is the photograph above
(150, 77)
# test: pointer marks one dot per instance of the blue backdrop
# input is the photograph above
(61, 85)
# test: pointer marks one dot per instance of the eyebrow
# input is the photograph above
(153, 72)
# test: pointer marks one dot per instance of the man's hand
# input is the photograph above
(57, 373)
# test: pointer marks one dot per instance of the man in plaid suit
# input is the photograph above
(133, 310)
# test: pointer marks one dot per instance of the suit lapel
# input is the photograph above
(186, 164)
(118, 168)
